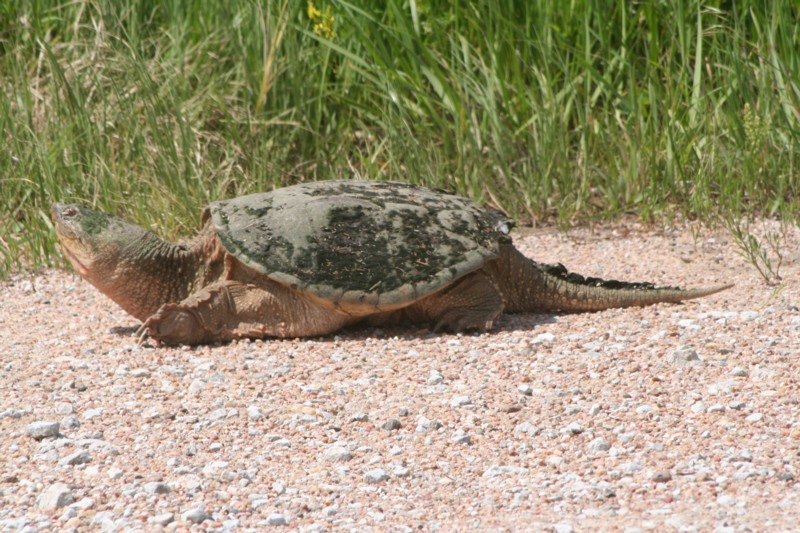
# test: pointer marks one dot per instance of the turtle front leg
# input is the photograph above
(230, 310)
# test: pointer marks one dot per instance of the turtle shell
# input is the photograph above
(361, 246)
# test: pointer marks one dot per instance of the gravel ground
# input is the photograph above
(672, 417)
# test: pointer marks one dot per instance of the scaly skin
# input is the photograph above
(197, 292)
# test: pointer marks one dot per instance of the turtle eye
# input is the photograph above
(69, 212)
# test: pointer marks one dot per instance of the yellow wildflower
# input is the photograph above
(324, 21)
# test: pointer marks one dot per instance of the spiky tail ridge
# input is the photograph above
(528, 286)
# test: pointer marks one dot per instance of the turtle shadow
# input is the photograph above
(125, 331)
(505, 324)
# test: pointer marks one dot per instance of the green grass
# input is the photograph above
(554, 111)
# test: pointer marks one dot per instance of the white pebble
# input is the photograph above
(254, 413)
(376, 476)
(435, 377)
(599, 444)
(196, 516)
(156, 487)
(55, 496)
(683, 356)
(162, 519)
(575, 428)
(78, 458)
(460, 401)
(42, 429)
(755, 417)
(277, 519)
(337, 453)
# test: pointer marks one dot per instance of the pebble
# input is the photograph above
(55, 496)
(64, 408)
(376, 476)
(156, 487)
(739, 372)
(435, 377)
(42, 429)
(525, 389)
(392, 424)
(748, 316)
(599, 444)
(277, 519)
(92, 413)
(460, 401)
(196, 516)
(562, 528)
(575, 428)
(114, 473)
(662, 476)
(254, 413)
(337, 453)
(77, 458)
(683, 356)
(162, 519)
(755, 417)
(461, 437)
(70, 422)
(359, 417)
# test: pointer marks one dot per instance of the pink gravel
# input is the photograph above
(671, 417)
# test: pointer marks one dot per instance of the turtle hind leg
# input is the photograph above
(231, 309)
(472, 303)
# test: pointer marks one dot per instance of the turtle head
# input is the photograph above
(94, 242)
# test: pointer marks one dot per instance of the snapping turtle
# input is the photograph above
(315, 257)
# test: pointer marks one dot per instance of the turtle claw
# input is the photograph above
(142, 334)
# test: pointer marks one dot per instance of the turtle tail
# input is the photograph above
(529, 286)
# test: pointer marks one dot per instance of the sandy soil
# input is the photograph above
(671, 417)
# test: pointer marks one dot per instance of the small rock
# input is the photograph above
(78, 458)
(748, 316)
(739, 372)
(254, 413)
(114, 473)
(575, 428)
(435, 377)
(662, 476)
(562, 528)
(376, 476)
(156, 487)
(92, 413)
(42, 429)
(70, 422)
(683, 356)
(726, 500)
(755, 417)
(64, 408)
(461, 437)
(424, 425)
(196, 516)
(460, 401)
(525, 389)
(196, 386)
(401, 471)
(599, 445)
(338, 453)
(737, 405)
(277, 519)
(359, 417)
(392, 424)
(162, 519)
(55, 496)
